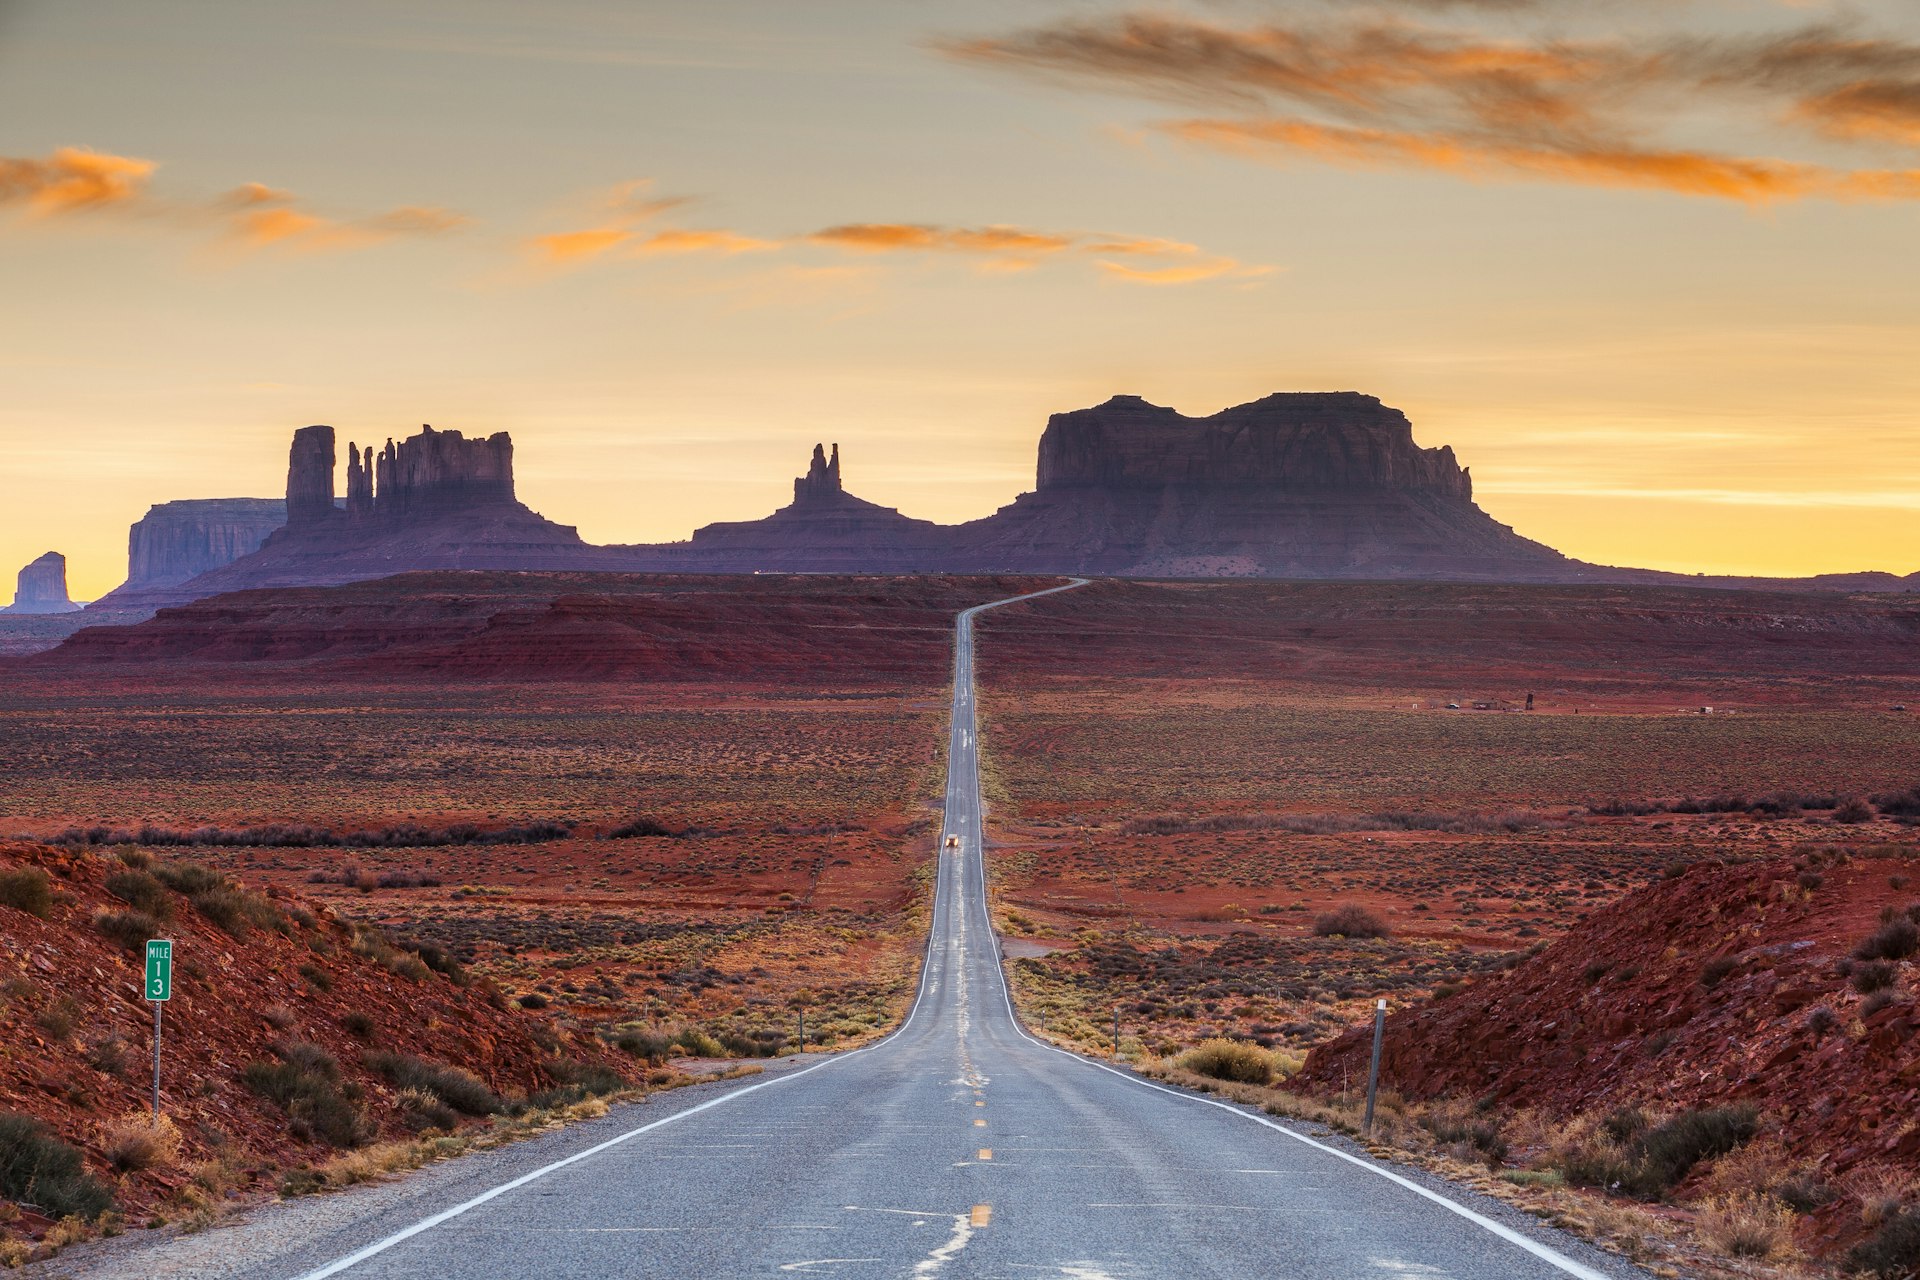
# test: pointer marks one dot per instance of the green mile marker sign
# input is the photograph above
(159, 969)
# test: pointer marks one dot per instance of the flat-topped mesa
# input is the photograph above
(1287, 441)
(821, 484)
(310, 477)
(175, 541)
(42, 587)
(439, 471)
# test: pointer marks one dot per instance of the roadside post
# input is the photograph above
(1116, 1033)
(803, 1028)
(1373, 1071)
(159, 991)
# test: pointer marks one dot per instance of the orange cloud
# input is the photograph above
(997, 247)
(1210, 269)
(1873, 111)
(565, 247)
(1385, 93)
(1686, 172)
(73, 179)
(267, 219)
(679, 240)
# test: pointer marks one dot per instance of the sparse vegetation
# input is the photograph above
(461, 1090)
(37, 1168)
(1350, 921)
(26, 889)
(306, 1084)
(137, 1141)
(1230, 1060)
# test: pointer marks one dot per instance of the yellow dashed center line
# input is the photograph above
(979, 1124)
(982, 1214)
(986, 1153)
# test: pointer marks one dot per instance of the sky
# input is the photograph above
(1649, 266)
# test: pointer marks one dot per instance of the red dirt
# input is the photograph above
(557, 627)
(1442, 640)
(69, 993)
(1624, 1010)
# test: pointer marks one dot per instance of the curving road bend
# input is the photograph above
(959, 1146)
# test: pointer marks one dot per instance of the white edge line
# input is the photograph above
(360, 1255)
(1545, 1253)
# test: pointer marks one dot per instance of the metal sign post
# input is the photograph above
(159, 991)
(1373, 1072)
(1116, 1032)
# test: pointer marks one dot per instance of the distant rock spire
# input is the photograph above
(359, 482)
(822, 481)
(310, 476)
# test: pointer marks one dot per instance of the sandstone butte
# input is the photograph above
(1294, 485)
(42, 587)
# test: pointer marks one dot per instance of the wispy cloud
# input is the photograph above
(1380, 91)
(628, 232)
(252, 216)
(72, 179)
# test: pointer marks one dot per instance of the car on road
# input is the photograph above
(953, 842)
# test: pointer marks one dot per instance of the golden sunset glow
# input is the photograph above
(1647, 267)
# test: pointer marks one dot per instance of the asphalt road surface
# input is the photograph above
(959, 1146)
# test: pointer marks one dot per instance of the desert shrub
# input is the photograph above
(378, 947)
(1672, 1149)
(1875, 975)
(1716, 970)
(188, 877)
(26, 889)
(1350, 921)
(37, 1168)
(1460, 1124)
(278, 1016)
(461, 1090)
(533, 1000)
(420, 1110)
(136, 1142)
(1747, 1225)
(1235, 1060)
(1876, 1002)
(1627, 1152)
(1897, 939)
(107, 1054)
(759, 1043)
(1853, 810)
(142, 892)
(576, 1081)
(1810, 880)
(130, 929)
(1821, 1020)
(320, 979)
(652, 1045)
(1893, 1252)
(1900, 804)
(436, 959)
(358, 1025)
(640, 827)
(698, 1044)
(306, 1084)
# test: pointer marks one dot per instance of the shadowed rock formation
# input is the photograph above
(1295, 485)
(1305, 485)
(176, 541)
(310, 477)
(42, 587)
(437, 472)
(823, 529)
(433, 501)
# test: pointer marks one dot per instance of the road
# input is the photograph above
(959, 1146)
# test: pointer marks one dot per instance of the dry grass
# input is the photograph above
(1747, 1224)
(137, 1141)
